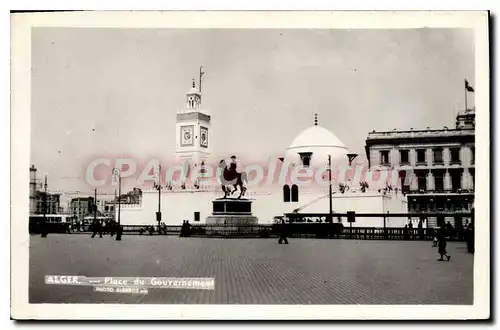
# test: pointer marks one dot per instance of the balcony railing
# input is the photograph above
(419, 133)
(441, 192)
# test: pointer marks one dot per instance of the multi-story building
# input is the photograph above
(435, 166)
(82, 206)
(53, 203)
(132, 197)
(106, 207)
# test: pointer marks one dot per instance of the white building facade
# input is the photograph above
(436, 166)
(308, 153)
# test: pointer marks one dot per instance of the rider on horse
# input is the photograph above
(230, 177)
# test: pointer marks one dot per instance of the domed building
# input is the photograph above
(313, 145)
(295, 183)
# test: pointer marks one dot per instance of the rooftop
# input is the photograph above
(414, 133)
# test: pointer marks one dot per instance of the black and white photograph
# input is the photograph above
(292, 165)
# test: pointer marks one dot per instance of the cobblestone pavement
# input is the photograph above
(255, 271)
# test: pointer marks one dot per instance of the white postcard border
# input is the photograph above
(20, 153)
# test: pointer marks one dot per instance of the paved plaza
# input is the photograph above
(255, 271)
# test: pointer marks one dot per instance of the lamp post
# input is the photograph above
(117, 177)
(44, 224)
(158, 214)
(330, 186)
(95, 205)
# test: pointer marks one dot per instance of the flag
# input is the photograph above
(468, 87)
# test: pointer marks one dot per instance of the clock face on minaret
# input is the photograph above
(204, 137)
(187, 135)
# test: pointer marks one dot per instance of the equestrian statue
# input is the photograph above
(231, 179)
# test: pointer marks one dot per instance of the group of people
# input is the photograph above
(185, 229)
(148, 229)
(408, 229)
(104, 227)
(162, 229)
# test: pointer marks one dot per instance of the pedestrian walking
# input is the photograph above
(442, 245)
(96, 228)
(282, 233)
(469, 237)
(405, 232)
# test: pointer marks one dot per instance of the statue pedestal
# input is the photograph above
(231, 217)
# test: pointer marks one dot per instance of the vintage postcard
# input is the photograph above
(250, 165)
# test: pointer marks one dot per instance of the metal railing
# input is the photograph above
(316, 226)
(301, 230)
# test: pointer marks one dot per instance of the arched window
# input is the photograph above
(307, 161)
(305, 157)
(286, 193)
(202, 169)
(295, 193)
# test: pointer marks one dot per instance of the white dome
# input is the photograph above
(316, 136)
(319, 142)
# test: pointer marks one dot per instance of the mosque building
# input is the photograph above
(296, 182)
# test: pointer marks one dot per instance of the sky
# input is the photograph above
(98, 92)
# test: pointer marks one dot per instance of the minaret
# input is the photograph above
(192, 130)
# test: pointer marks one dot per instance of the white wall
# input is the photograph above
(175, 208)
(395, 203)
(181, 205)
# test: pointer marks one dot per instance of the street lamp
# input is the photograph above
(158, 186)
(44, 225)
(330, 186)
(117, 177)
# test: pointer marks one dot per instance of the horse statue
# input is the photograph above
(231, 179)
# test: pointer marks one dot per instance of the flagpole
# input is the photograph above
(465, 87)
(201, 73)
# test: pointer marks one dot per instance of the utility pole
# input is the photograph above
(330, 186)
(114, 207)
(158, 214)
(95, 205)
(44, 225)
(117, 174)
(79, 211)
(119, 196)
